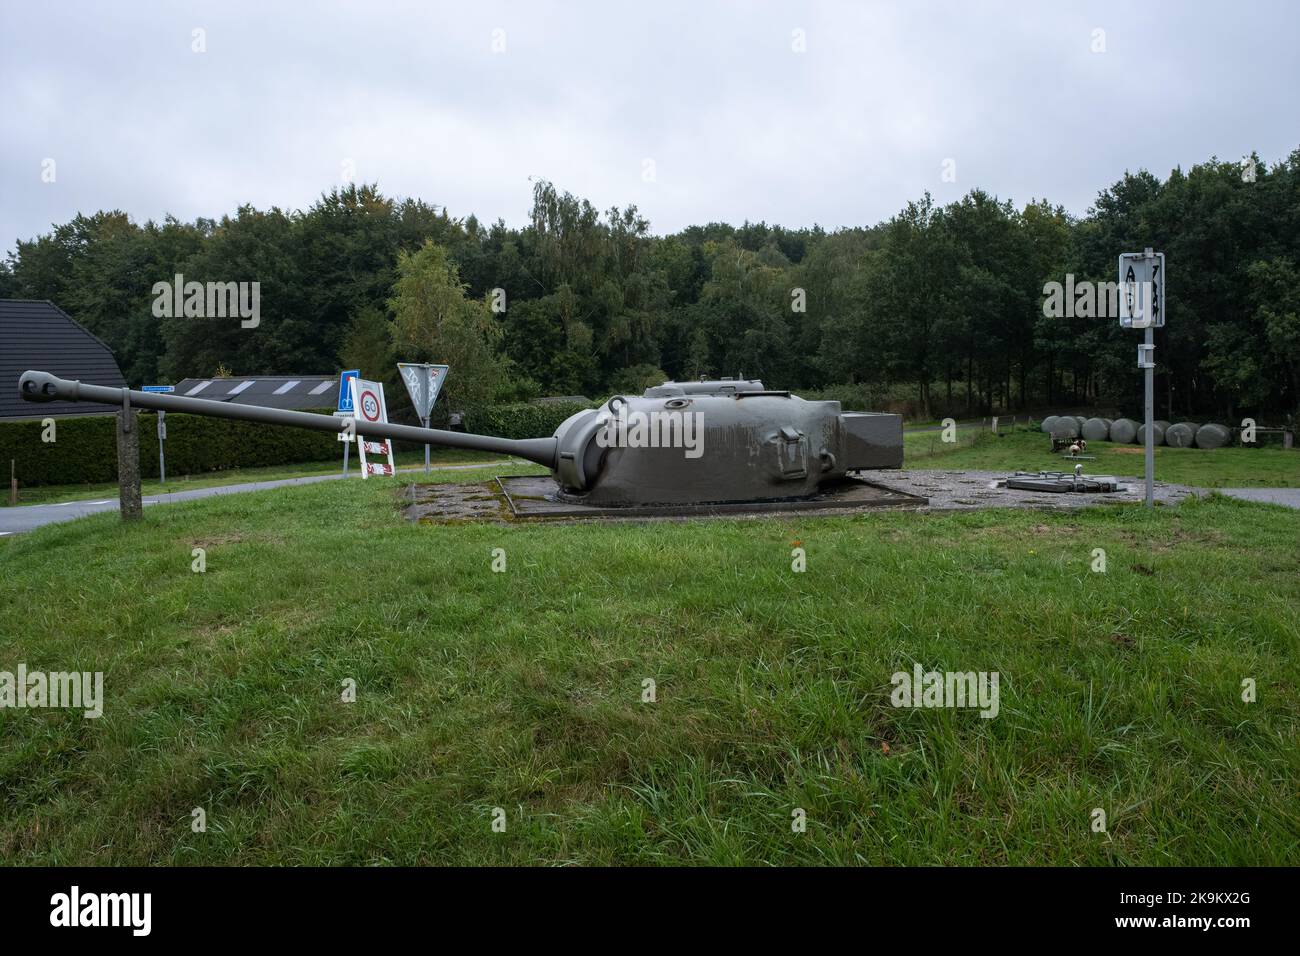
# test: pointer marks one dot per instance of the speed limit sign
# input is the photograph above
(369, 408)
(369, 405)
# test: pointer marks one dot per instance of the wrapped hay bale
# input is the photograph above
(1123, 430)
(1212, 436)
(1182, 435)
(1157, 429)
(1065, 427)
(1096, 429)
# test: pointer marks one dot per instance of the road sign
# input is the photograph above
(423, 382)
(345, 393)
(343, 435)
(347, 439)
(1142, 306)
(162, 429)
(367, 399)
(1142, 290)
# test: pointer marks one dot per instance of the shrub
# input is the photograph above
(536, 420)
(85, 449)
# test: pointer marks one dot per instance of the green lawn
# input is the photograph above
(523, 690)
(1268, 467)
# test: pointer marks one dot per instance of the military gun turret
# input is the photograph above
(679, 443)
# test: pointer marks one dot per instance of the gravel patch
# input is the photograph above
(954, 491)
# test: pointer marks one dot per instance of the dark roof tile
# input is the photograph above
(35, 334)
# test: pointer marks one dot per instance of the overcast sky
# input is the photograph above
(694, 111)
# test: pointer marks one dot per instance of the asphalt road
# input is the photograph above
(26, 517)
(1274, 496)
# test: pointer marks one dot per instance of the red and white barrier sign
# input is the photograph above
(368, 408)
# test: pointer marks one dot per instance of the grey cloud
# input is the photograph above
(738, 125)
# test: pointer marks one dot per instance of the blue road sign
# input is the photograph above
(157, 388)
(345, 393)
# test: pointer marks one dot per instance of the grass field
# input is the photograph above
(523, 690)
(1266, 467)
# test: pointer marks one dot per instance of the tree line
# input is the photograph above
(941, 307)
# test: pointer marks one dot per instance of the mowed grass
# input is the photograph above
(523, 690)
(1263, 467)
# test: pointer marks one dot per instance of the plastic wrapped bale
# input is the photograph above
(1164, 425)
(1123, 430)
(1048, 422)
(1081, 420)
(1159, 431)
(1182, 435)
(1096, 429)
(1212, 436)
(1065, 427)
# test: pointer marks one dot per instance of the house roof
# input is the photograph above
(271, 391)
(37, 334)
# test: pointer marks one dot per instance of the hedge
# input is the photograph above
(85, 447)
(520, 421)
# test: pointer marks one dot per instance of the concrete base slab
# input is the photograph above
(537, 497)
(534, 498)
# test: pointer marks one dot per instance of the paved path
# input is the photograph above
(1274, 496)
(27, 517)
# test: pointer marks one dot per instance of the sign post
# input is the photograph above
(423, 382)
(344, 410)
(162, 430)
(370, 408)
(1142, 306)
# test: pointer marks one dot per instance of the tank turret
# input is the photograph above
(722, 440)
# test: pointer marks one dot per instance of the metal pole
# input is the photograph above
(425, 422)
(1149, 374)
(162, 439)
(347, 447)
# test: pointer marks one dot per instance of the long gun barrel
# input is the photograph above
(44, 387)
